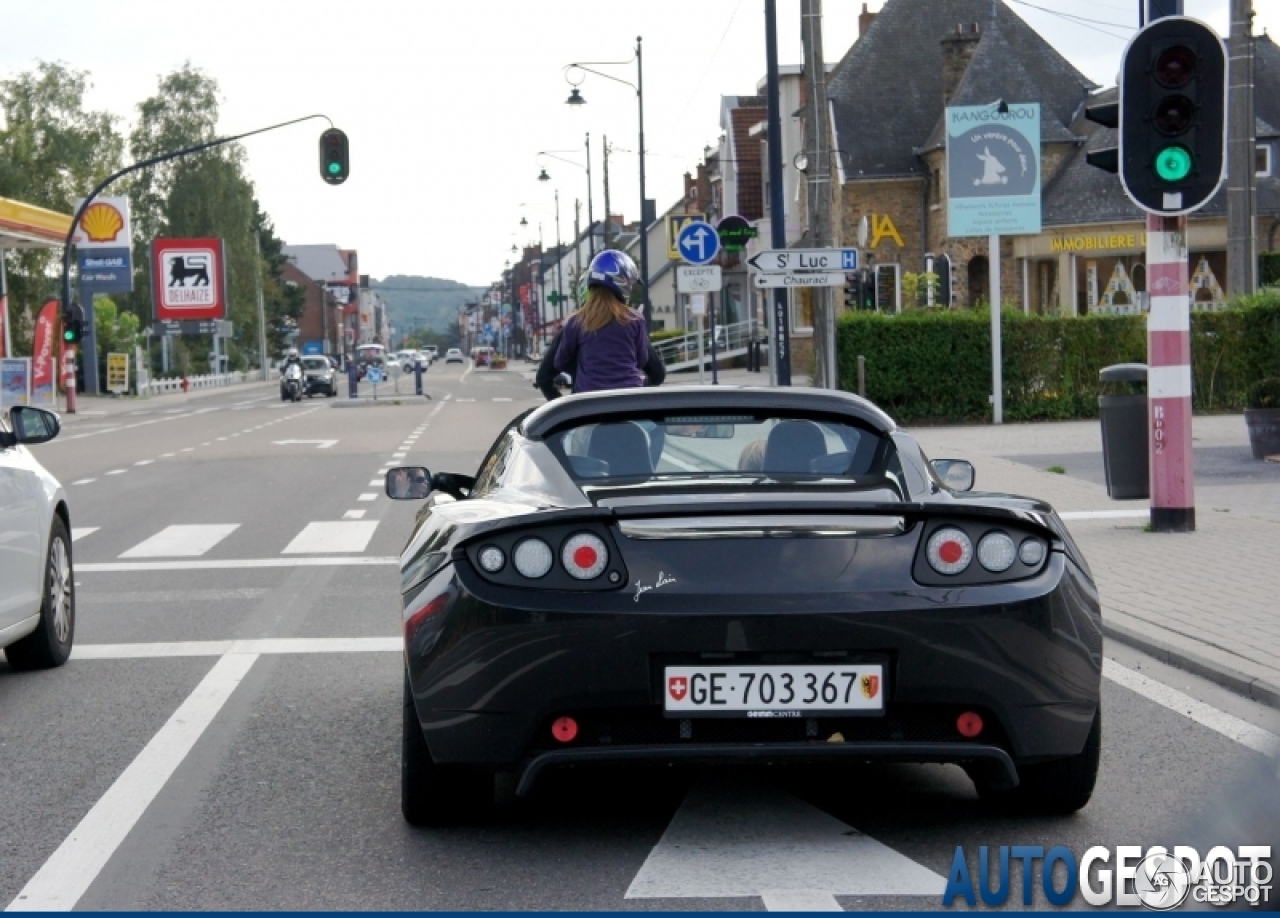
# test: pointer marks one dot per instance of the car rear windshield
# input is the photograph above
(315, 363)
(738, 447)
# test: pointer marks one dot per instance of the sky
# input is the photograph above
(448, 104)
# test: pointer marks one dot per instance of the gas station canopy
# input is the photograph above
(25, 226)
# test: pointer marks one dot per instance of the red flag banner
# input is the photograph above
(42, 366)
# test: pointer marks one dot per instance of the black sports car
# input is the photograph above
(723, 575)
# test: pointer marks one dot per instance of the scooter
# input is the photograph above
(292, 386)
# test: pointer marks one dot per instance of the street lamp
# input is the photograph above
(591, 212)
(575, 99)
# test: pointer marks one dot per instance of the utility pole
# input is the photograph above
(262, 311)
(577, 243)
(819, 190)
(608, 214)
(591, 212)
(777, 228)
(1242, 261)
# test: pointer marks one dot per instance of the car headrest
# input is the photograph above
(623, 445)
(792, 447)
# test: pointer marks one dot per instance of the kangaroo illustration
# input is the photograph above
(992, 171)
(193, 266)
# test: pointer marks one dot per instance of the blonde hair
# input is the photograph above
(602, 308)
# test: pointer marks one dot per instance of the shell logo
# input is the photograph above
(101, 222)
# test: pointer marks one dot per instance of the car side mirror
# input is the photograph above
(956, 474)
(408, 482)
(33, 425)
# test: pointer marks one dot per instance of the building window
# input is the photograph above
(935, 195)
(1262, 159)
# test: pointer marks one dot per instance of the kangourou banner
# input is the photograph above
(44, 392)
(993, 170)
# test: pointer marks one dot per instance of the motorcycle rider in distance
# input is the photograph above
(291, 381)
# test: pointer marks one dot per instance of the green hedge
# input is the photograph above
(936, 367)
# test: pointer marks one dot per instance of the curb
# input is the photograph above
(1233, 680)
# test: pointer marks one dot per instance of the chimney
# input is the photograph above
(864, 21)
(957, 52)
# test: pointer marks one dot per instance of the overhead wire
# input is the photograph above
(1082, 21)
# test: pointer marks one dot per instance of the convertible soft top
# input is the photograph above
(601, 406)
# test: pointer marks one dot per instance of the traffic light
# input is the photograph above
(851, 287)
(1173, 116)
(335, 160)
(72, 324)
(946, 271)
(868, 288)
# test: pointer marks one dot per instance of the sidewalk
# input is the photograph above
(89, 407)
(1208, 601)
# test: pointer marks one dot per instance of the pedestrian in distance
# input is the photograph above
(605, 343)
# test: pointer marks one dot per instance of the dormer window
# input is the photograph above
(1262, 160)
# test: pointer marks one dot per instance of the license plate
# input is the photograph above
(773, 691)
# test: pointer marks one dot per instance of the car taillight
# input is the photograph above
(492, 558)
(584, 556)
(1031, 552)
(949, 551)
(533, 558)
(996, 552)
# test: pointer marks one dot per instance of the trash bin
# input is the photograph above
(1122, 408)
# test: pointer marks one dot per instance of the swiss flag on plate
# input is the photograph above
(678, 686)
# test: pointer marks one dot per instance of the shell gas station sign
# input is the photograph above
(104, 246)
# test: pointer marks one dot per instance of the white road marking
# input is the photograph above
(167, 455)
(229, 564)
(502, 399)
(181, 541)
(144, 462)
(187, 449)
(84, 481)
(332, 538)
(221, 439)
(799, 900)
(273, 646)
(1230, 726)
(72, 868)
(79, 532)
(117, 471)
(354, 514)
(376, 483)
(398, 455)
(367, 497)
(318, 444)
(1106, 514)
(738, 837)
(467, 372)
(465, 399)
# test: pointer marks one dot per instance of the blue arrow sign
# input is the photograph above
(697, 243)
(374, 375)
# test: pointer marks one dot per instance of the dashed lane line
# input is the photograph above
(229, 564)
(259, 646)
(1105, 514)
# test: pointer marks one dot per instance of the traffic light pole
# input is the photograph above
(92, 345)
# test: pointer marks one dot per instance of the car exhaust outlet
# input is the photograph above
(564, 729)
(969, 724)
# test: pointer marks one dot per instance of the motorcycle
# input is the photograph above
(291, 387)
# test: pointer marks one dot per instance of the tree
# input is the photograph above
(52, 151)
(283, 303)
(117, 331)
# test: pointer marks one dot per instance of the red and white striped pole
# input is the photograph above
(1173, 498)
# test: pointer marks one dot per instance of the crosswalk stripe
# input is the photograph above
(79, 532)
(342, 537)
(354, 514)
(181, 541)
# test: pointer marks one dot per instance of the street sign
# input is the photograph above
(697, 243)
(993, 170)
(226, 328)
(698, 278)
(107, 270)
(827, 279)
(191, 327)
(791, 261)
(735, 232)
(675, 223)
(118, 373)
(373, 374)
(698, 305)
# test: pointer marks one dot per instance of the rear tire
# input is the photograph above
(50, 644)
(1056, 788)
(437, 795)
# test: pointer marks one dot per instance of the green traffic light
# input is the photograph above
(68, 335)
(1173, 164)
(335, 168)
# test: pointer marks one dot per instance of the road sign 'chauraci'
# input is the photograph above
(993, 170)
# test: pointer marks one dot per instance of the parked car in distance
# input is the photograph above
(453, 355)
(37, 585)
(319, 376)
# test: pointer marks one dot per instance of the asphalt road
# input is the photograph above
(227, 734)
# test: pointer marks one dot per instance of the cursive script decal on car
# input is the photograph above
(662, 580)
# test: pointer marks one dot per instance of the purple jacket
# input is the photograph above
(611, 358)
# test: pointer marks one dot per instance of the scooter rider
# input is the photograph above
(291, 372)
(655, 371)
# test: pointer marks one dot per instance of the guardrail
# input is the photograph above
(209, 381)
(682, 353)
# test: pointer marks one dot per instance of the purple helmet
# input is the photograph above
(616, 272)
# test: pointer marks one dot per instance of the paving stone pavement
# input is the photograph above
(1208, 601)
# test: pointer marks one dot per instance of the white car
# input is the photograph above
(37, 586)
(453, 355)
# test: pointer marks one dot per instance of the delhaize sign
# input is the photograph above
(188, 279)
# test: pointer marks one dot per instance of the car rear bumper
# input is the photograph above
(489, 680)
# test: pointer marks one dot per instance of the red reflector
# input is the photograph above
(564, 729)
(951, 552)
(585, 556)
(969, 724)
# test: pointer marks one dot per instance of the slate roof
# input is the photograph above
(887, 90)
(1266, 71)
